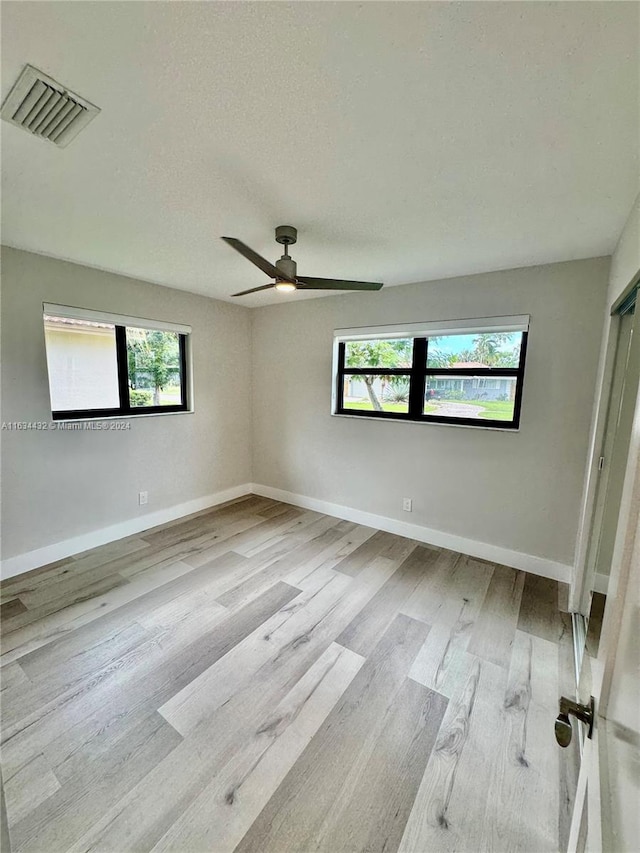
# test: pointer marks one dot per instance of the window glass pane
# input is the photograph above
(82, 366)
(376, 393)
(153, 360)
(481, 397)
(379, 353)
(491, 349)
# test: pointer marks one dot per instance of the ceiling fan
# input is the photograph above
(285, 270)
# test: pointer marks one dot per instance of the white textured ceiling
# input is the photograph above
(406, 141)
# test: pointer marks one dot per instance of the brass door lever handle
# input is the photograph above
(584, 713)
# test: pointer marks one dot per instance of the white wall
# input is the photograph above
(58, 485)
(520, 491)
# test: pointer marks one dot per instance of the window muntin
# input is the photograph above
(104, 369)
(470, 378)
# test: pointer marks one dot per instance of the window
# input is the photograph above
(468, 373)
(104, 365)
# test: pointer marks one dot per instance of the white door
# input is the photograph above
(608, 795)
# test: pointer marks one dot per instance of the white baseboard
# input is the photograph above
(494, 553)
(42, 556)
(60, 550)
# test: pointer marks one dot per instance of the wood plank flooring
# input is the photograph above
(259, 677)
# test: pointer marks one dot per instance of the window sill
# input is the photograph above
(123, 417)
(423, 423)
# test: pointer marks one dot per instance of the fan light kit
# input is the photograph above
(284, 271)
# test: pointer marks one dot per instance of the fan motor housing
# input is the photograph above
(287, 235)
(287, 267)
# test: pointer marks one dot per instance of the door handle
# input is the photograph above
(584, 713)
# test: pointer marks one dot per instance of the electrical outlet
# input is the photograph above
(407, 504)
(143, 498)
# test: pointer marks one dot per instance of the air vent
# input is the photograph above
(46, 108)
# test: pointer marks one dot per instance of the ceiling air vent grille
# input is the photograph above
(46, 108)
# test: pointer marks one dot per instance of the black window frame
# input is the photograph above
(418, 373)
(125, 409)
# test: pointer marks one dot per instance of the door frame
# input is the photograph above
(604, 383)
(592, 823)
(604, 379)
(596, 782)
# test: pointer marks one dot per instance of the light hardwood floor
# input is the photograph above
(259, 677)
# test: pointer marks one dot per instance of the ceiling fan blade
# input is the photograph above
(254, 290)
(248, 253)
(336, 284)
